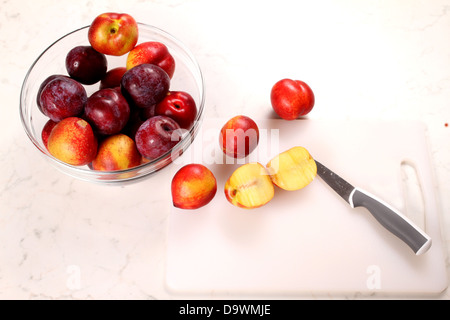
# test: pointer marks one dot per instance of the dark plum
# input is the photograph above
(61, 98)
(148, 112)
(145, 85)
(133, 123)
(156, 136)
(42, 86)
(86, 65)
(107, 111)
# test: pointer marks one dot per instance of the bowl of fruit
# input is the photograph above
(114, 101)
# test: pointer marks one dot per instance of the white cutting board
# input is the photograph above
(310, 240)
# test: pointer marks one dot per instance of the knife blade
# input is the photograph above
(386, 215)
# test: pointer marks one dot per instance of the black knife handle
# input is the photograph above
(392, 220)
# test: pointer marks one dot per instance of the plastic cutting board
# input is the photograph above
(310, 240)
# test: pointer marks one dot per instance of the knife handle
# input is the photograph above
(392, 220)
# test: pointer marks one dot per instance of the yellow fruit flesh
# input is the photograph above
(293, 169)
(249, 186)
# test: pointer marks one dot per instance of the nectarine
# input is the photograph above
(249, 186)
(239, 136)
(116, 152)
(72, 140)
(193, 186)
(292, 169)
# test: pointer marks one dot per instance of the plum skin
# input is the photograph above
(86, 65)
(61, 98)
(145, 85)
(156, 136)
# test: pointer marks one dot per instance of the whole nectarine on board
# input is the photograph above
(239, 136)
(291, 98)
(193, 186)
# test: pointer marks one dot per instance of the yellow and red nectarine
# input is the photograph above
(292, 169)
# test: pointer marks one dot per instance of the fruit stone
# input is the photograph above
(249, 186)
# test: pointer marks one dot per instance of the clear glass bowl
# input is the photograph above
(187, 77)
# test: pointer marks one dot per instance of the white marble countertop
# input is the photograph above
(62, 238)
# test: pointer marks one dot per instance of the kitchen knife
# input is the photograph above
(387, 216)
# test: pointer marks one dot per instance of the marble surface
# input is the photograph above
(62, 238)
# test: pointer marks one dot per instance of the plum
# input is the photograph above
(145, 85)
(86, 65)
(42, 86)
(156, 136)
(107, 111)
(61, 98)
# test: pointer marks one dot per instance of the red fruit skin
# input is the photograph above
(107, 111)
(86, 65)
(73, 141)
(180, 106)
(46, 130)
(152, 52)
(62, 97)
(145, 85)
(156, 136)
(42, 86)
(113, 33)
(193, 186)
(291, 99)
(239, 136)
(133, 123)
(112, 78)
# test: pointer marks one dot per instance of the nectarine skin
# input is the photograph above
(73, 141)
(116, 152)
(46, 130)
(239, 136)
(113, 33)
(193, 186)
(152, 52)
(291, 99)
(112, 78)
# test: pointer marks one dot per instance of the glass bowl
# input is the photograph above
(187, 77)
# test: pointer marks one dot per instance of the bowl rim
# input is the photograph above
(180, 147)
